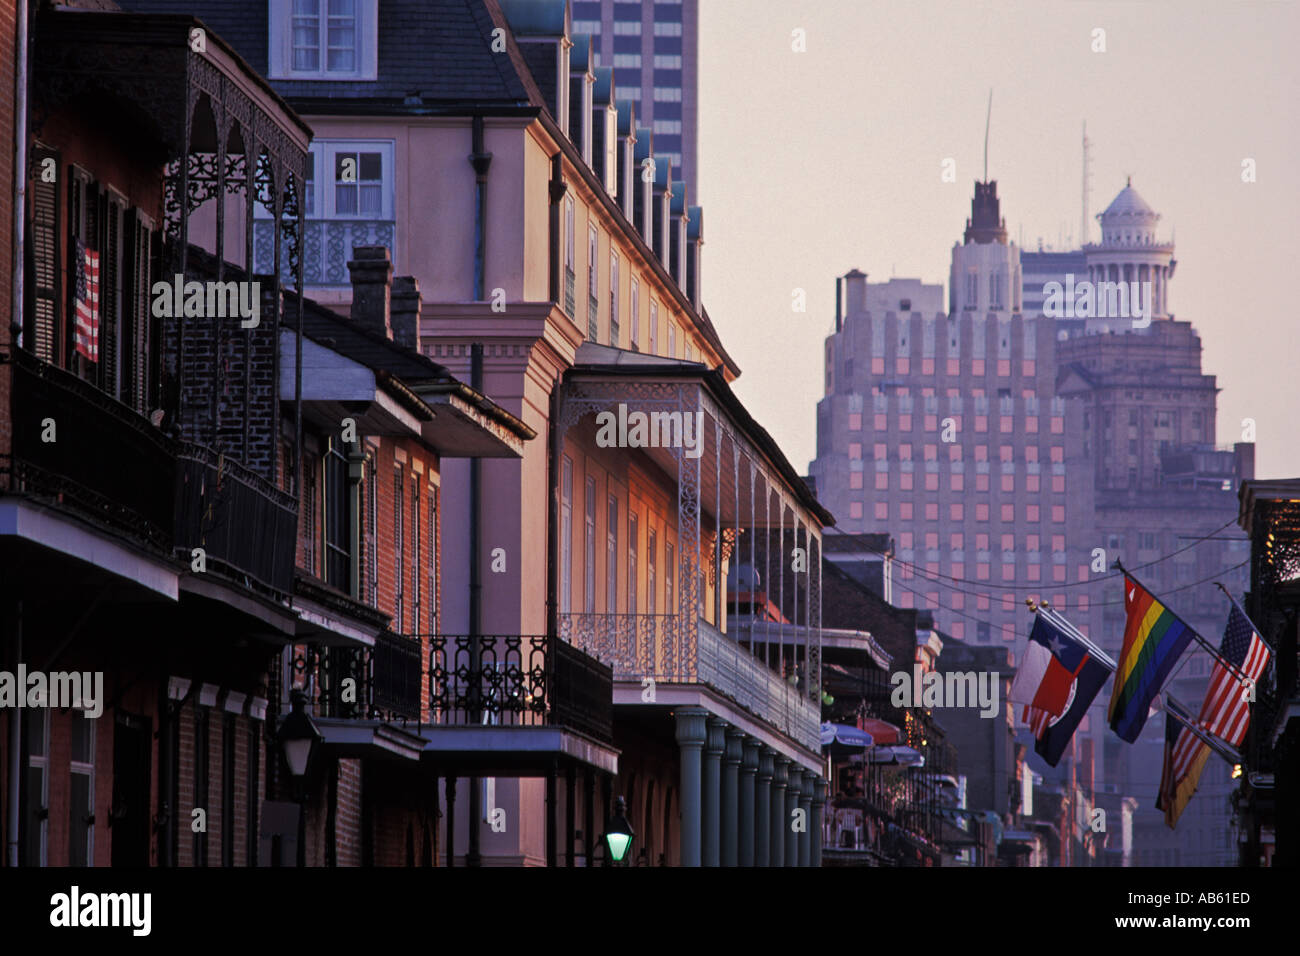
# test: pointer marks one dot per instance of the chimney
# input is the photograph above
(677, 220)
(627, 172)
(695, 253)
(643, 158)
(406, 304)
(604, 129)
(663, 191)
(372, 276)
(855, 287)
(580, 83)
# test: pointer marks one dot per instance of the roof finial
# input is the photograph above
(1128, 180)
(988, 117)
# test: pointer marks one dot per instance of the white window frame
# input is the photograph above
(566, 536)
(634, 328)
(86, 769)
(570, 237)
(323, 201)
(611, 556)
(632, 545)
(672, 340)
(651, 546)
(614, 327)
(41, 761)
(589, 548)
(280, 44)
(654, 327)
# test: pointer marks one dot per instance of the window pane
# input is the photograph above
(35, 826)
(372, 200)
(79, 809)
(371, 167)
(83, 738)
(35, 733)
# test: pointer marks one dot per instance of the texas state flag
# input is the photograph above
(1051, 662)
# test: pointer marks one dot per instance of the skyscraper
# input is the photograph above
(659, 43)
(945, 431)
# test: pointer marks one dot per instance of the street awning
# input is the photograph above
(899, 756)
(881, 732)
(842, 739)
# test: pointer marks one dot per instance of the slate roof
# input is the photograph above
(399, 367)
(441, 48)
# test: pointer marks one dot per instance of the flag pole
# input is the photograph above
(1220, 747)
(1210, 648)
(1242, 611)
(1102, 657)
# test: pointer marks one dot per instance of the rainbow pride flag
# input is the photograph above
(1154, 639)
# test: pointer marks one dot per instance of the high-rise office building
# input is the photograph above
(656, 43)
(945, 431)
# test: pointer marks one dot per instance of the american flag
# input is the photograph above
(1226, 710)
(87, 298)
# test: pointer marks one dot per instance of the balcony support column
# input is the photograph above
(793, 791)
(589, 816)
(810, 833)
(763, 807)
(815, 826)
(715, 744)
(690, 741)
(748, 769)
(451, 820)
(552, 812)
(570, 815)
(777, 825)
(731, 796)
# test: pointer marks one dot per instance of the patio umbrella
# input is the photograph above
(842, 740)
(881, 732)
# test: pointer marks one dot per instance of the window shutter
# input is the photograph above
(110, 296)
(43, 325)
(136, 311)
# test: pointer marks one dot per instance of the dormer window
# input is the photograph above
(323, 39)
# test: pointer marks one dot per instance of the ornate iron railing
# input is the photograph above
(362, 683)
(569, 303)
(659, 647)
(87, 452)
(327, 247)
(518, 681)
(244, 524)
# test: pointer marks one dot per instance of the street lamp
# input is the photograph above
(298, 736)
(618, 833)
(298, 740)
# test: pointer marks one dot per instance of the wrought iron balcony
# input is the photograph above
(518, 681)
(90, 454)
(245, 525)
(327, 247)
(384, 679)
(569, 303)
(637, 646)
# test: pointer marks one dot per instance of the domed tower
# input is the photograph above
(1129, 250)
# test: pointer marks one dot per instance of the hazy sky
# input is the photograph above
(818, 162)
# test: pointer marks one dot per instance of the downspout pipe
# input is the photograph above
(481, 160)
(472, 856)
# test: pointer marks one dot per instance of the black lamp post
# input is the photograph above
(298, 740)
(618, 834)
